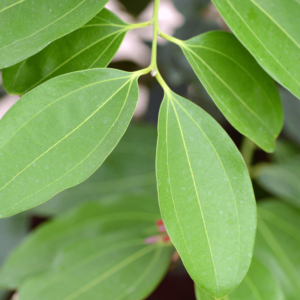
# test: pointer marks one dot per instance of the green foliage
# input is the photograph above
(103, 242)
(129, 168)
(83, 116)
(269, 30)
(91, 46)
(274, 272)
(278, 244)
(209, 241)
(244, 93)
(88, 249)
(282, 179)
(27, 27)
(259, 283)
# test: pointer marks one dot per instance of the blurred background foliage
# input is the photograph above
(131, 166)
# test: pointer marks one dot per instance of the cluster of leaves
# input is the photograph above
(74, 112)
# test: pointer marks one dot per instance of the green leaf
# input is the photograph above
(269, 29)
(12, 231)
(121, 270)
(282, 180)
(59, 134)
(91, 46)
(129, 215)
(27, 27)
(205, 196)
(278, 243)
(245, 94)
(129, 168)
(259, 283)
(291, 107)
(285, 150)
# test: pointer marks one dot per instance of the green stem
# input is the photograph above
(153, 65)
(155, 34)
(139, 25)
(172, 39)
(247, 150)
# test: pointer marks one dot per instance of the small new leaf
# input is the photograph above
(269, 29)
(91, 46)
(245, 94)
(57, 135)
(205, 196)
(26, 27)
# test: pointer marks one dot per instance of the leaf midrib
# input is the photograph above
(79, 162)
(226, 175)
(146, 272)
(244, 70)
(66, 136)
(276, 23)
(12, 5)
(235, 95)
(48, 105)
(196, 190)
(213, 91)
(91, 257)
(113, 270)
(118, 32)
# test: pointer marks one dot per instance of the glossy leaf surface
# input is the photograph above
(270, 31)
(282, 180)
(129, 215)
(205, 196)
(129, 168)
(98, 269)
(278, 243)
(259, 283)
(27, 27)
(245, 94)
(91, 46)
(60, 133)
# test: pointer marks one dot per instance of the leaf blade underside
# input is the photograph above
(91, 46)
(205, 210)
(269, 30)
(245, 94)
(21, 37)
(62, 132)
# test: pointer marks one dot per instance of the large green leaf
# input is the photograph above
(129, 168)
(12, 231)
(278, 243)
(97, 269)
(60, 133)
(270, 31)
(91, 46)
(259, 284)
(285, 150)
(245, 94)
(205, 196)
(282, 179)
(291, 107)
(27, 27)
(130, 215)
